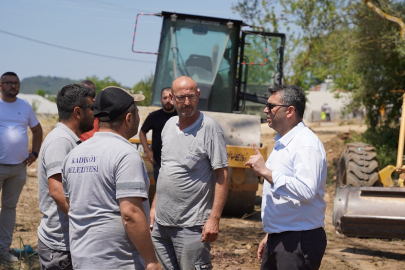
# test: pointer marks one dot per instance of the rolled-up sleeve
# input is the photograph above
(303, 186)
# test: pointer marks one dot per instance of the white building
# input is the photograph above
(315, 100)
(40, 104)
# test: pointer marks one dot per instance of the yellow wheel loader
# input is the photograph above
(233, 68)
(368, 203)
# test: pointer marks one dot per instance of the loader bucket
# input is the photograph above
(374, 212)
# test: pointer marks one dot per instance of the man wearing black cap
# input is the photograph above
(106, 185)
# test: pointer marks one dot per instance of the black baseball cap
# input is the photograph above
(112, 101)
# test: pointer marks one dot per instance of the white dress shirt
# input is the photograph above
(295, 201)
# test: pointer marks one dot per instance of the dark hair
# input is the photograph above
(88, 83)
(117, 122)
(71, 96)
(166, 88)
(291, 95)
(8, 73)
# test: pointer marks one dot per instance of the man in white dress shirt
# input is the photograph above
(293, 208)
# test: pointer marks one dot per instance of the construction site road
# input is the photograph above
(238, 240)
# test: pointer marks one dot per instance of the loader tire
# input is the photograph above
(358, 166)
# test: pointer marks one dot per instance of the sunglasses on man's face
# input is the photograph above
(91, 107)
(270, 106)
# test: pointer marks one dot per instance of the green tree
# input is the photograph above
(305, 23)
(40, 92)
(100, 84)
(144, 87)
(360, 43)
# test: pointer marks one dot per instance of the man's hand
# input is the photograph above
(154, 266)
(256, 162)
(152, 213)
(146, 149)
(260, 249)
(149, 154)
(30, 159)
(210, 230)
(152, 218)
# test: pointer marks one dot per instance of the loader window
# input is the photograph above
(198, 49)
(261, 55)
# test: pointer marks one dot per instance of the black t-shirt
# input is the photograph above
(156, 121)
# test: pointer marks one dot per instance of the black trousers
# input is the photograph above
(294, 250)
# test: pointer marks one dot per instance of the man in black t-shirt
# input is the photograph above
(155, 122)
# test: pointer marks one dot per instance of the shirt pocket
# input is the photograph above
(192, 160)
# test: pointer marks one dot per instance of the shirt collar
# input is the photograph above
(193, 125)
(70, 132)
(290, 134)
(108, 134)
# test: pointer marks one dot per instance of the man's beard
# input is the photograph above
(168, 106)
(86, 125)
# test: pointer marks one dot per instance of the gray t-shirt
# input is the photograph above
(187, 180)
(53, 230)
(95, 175)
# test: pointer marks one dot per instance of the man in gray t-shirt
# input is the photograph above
(75, 108)
(192, 183)
(106, 185)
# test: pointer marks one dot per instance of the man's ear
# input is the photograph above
(128, 119)
(290, 111)
(77, 112)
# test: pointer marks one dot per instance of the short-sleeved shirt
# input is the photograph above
(156, 121)
(95, 175)
(15, 117)
(185, 193)
(53, 230)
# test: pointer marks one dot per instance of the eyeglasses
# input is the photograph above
(11, 83)
(91, 107)
(270, 106)
(183, 98)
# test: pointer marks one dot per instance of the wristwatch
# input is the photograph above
(35, 154)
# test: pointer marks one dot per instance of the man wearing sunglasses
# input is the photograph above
(15, 116)
(293, 208)
(75, 109)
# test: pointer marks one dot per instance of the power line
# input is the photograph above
(74, 50)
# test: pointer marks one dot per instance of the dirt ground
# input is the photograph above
(239, 238)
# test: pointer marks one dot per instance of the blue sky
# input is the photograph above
(97, 26)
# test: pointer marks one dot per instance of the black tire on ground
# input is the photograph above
(239, 203)
(358, 166)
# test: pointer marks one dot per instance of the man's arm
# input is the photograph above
(211, 227)
(257, 164)
(144, 142)
(36, 144)
(152, 213)
(56, 192)
(136, 226)
(260, 249)
(307, 179)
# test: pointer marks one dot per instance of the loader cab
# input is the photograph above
(233, 68)
(204, 49)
